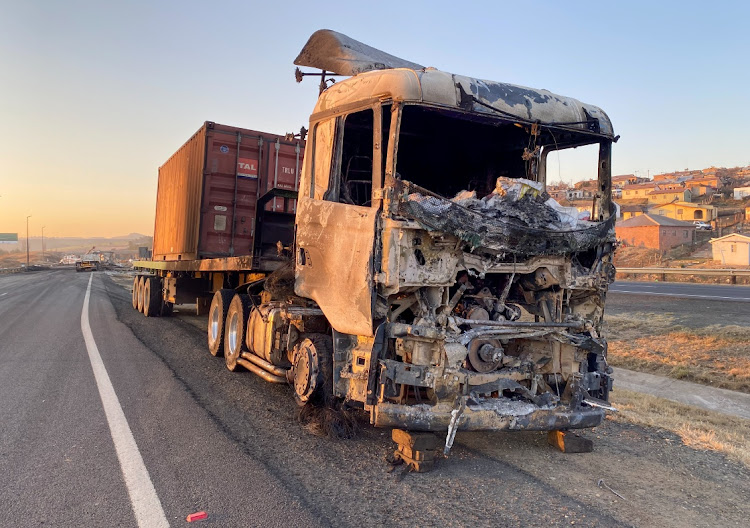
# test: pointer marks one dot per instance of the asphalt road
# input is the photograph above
(58, 461)
(716, 292)
(230, 444)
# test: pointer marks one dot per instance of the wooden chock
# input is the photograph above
(417, 450)
(568, 442)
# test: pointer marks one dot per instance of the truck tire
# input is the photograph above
(135, 291)
(141, 281)
(217, 317)
(152, 296)
(236, 328)
(312, 369)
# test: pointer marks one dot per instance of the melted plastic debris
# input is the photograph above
(517, 217)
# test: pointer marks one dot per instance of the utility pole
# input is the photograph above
(27, 242)
(43, 244)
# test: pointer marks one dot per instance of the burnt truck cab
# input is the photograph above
(460, 296)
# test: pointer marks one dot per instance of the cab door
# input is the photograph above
(337, 220)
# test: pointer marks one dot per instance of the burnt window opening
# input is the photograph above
(323, 134)
(355, 169)
(387, 110)
(445, 152)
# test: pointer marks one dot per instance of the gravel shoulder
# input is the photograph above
(506, 479)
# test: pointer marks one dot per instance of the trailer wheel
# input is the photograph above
(217, 317)
(151, 296)
(141, 281)
(312, 370)
(234, 335)
(135, 291)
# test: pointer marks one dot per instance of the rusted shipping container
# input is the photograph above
(209, 191)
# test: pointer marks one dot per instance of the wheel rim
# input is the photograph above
(214, 326)
(141, 287)
(233, 332)
(306, 371)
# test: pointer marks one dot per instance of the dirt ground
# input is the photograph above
(511, 479)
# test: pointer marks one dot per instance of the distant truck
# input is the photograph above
(410, 263)
(94, 260)
(91, 261)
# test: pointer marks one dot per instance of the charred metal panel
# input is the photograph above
(531, 105)
(334, 262)
(411, 257)
(334, 52)
(497, 415)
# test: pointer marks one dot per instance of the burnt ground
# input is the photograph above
(511, 479)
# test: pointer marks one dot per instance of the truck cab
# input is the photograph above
(459, 296)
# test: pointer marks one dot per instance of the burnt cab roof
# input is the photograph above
(376, 74)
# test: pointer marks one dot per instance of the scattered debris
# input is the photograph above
(602, 483)
(197, 516)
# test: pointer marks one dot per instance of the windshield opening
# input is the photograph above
(446, 153)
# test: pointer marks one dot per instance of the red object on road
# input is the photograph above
(197, 516)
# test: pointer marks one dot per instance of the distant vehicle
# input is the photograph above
(702, 226)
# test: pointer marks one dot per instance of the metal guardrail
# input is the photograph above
(686, 271)
(723, 272)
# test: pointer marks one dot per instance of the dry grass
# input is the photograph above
(696, 427)
(718, 356)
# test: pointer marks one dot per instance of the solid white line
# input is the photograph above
(715, 297)
(146, 505)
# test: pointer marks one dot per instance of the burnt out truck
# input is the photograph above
(415, 267)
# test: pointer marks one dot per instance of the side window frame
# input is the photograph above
(376, 155)
(325, 156)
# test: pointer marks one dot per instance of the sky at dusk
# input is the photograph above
(95, 96)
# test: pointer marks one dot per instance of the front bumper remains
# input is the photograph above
(486, 415)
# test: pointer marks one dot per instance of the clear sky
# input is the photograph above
(94, 95)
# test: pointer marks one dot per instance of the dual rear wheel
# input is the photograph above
(235, 333)
(311, 375)
(147, 296)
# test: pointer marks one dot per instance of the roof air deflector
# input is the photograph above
(334, 52)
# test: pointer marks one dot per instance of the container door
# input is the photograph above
(230, 194)
(284, 161)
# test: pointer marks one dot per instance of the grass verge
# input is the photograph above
(698, 428)
(718, 356)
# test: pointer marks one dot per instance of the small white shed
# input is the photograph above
(741, 192)
(731, 249)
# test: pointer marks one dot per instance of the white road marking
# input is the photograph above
(146, 505)
(1, 294)
(714, 297)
